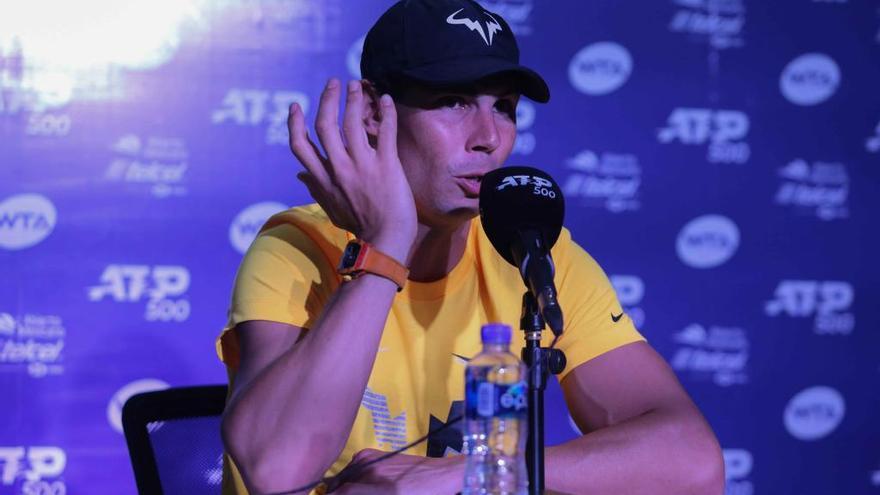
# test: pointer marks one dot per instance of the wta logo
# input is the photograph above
(600, 68)
(247, 223)
(707, 241)
(117, 402)
(25, 221)
(809, 79)
(814, 413)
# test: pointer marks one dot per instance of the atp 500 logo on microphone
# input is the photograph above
(163, 286)
(540, 186)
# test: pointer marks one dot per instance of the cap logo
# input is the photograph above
(492, 26)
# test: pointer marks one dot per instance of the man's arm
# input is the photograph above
(644, 434)
(293, 406)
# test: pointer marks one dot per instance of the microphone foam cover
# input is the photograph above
(513, 199)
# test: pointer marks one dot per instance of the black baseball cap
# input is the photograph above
(443, 43)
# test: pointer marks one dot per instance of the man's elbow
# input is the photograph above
(267, 466)
(704, 469)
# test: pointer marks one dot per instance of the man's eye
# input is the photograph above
(451, 102)
(506, 107)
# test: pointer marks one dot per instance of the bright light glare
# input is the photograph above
(86, 34)
(71, 49)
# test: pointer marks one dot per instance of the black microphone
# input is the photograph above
(521, 209)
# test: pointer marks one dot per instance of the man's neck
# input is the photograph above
(436, 251)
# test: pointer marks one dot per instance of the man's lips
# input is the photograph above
(470, 185)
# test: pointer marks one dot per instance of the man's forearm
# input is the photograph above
(292, 420)
(664, 451)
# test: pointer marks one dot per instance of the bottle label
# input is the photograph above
(486, 399)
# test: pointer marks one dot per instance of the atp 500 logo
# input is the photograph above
(738, 465)
(37, 469)
(254, 107)
(542, 186)
(723, 130)
(163, 286)
(829, 301)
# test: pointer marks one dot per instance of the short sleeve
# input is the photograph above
(595, 323)
(285, 278)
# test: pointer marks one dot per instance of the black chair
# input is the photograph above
(173, 438)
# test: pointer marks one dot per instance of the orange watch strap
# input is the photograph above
(371, 260)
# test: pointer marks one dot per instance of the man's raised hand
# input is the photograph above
(361, 188)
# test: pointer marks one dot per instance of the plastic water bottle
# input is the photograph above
(495, 418)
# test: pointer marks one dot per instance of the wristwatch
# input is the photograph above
(361, 257)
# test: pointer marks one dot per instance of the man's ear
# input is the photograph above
(371, 110)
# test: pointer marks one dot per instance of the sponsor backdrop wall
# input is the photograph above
(720, 159)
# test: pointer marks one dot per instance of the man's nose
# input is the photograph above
(484, 136)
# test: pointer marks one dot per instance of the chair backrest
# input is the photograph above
(173, 438)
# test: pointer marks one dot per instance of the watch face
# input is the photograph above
(350, 255)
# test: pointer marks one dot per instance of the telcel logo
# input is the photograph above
(809, 79)
(707, 241)
(600, 68)
(25, 220)
(32, 463)
(814, 413)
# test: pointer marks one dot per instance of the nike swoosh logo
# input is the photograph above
(617, 318)
(463, 360)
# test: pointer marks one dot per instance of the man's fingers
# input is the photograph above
(327, 125)
(353, 122)
(387, 127)
(303, 147)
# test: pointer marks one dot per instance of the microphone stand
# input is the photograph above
(540, 362)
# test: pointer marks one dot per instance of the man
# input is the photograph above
(327, 368)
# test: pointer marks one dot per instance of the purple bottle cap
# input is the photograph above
(495, 333)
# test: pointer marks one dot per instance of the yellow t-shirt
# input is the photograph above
(417, 381)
